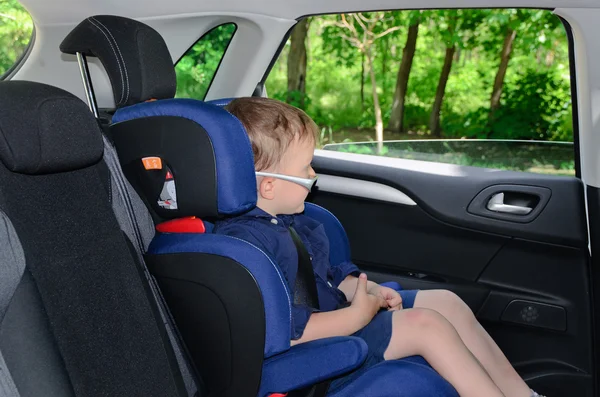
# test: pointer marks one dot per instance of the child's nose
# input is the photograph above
(311, 172)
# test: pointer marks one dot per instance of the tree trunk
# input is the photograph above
(408, 53)
(376, 107)
(296, 63)
(499, 80)
(384, 57)
(362, 81)
(434, 120)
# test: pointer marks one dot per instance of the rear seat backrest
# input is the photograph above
(80, 321)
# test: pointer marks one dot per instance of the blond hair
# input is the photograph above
(271, 126)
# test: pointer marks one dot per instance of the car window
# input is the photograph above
(196, 69)
(16, 32)
(481, 87)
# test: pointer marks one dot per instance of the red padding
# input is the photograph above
(182, 225)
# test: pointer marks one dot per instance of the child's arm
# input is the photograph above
(346, 321)
(392, 297)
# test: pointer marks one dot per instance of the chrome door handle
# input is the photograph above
(496, 204)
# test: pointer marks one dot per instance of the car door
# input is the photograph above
(502, 223)
(512, 245)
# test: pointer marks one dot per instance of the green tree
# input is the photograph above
(395, 123)
(195, 70)
(334, 78)
(362, 30)
(526, 25)
(296, 65)
(456, 29)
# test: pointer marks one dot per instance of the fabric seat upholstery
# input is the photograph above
(76, 318)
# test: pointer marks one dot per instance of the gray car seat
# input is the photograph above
(77, 314)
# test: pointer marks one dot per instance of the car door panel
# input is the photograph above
(446, 190)
(527, 282)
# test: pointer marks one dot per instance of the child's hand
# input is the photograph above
(391, 296)
(365, 304)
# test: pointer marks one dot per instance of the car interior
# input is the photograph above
(112, 282)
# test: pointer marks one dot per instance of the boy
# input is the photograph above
(434, 324)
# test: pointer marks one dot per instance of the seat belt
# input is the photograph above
(305, 293)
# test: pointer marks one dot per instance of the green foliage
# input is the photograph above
(195, 70)
(535, 101)
(16, 30)
(536, 98)
(295, 98)
(538, 106)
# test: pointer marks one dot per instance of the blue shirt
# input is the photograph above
(271, 235)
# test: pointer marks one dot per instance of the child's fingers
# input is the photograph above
(361, 285)
(395, 300)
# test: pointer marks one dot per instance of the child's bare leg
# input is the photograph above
(427, 333)
(476, 339)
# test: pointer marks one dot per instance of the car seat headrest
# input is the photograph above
(134, 55)
(44, 129)
(186, 158)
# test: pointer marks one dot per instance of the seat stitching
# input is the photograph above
(116, 57)
(120, 54)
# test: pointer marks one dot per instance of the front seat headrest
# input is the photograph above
(44, 129)
(134, 55)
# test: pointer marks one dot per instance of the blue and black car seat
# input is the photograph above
(191, 163)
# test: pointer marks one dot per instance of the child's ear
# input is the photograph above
(266, 188)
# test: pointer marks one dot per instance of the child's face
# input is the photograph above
(296, 162)
(288, 197)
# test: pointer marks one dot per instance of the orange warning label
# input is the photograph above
(152, 163)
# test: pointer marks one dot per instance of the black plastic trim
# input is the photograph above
(446, 196)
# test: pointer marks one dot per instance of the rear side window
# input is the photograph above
(196, 69)
(16, 32)
(480, 87)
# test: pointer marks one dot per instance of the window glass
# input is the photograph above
(16, 31)
(489, 78)
(196, 69)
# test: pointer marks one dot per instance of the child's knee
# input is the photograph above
(450, 305)
(421, 320)
(456, 306)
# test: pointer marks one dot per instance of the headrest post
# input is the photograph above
(87, 83)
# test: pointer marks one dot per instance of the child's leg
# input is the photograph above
(476, 339)
(427, 333)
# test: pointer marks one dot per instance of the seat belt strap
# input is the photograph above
(305, 291)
